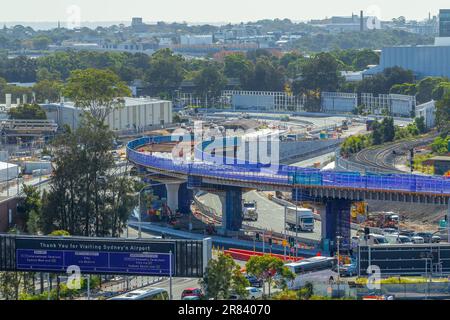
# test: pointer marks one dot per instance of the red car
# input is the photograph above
(189, 292)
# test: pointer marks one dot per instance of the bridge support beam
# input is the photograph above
(172, 196)
(231, 200)
(185, 197)
(336, 223)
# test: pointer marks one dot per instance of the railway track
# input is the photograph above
(384, 158)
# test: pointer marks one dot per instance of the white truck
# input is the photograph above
(249, 212)
(300, 219)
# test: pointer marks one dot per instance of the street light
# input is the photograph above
(338, 239)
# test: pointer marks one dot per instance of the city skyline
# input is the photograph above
(203, 11)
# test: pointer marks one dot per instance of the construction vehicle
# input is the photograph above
(359, 212)
(249, 211)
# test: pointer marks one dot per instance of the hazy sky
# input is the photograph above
(210, 10)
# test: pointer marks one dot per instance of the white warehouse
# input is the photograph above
(135, 114)
(8, 171)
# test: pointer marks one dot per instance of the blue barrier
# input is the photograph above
(287, 175)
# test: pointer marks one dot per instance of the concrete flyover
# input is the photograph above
(336, 189)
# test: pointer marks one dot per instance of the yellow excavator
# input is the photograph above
(359, 211)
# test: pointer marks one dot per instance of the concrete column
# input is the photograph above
(172, 196)
(337, 222)
(185, 197)
(231, 200)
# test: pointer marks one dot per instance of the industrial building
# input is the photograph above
(339, 102)
(424, 61)
(428, 112)
(136, 114)
(263, 101)
(395, 104)
(8, 171)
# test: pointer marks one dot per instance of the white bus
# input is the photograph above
(144, 294)
(310, 270)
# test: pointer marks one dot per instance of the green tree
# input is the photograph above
(267, 76)
(320, 73)
(420, 124)
(210, 81)
(222, 277)
(443, 114)
(238, 66)
(27, 112)
(29, 208)
(166, 70)
(98, 91)
(47, 90)
(388, 129)
(88, 199)
(266, 267)
(426, 87)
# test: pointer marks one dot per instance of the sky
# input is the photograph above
(209, 10)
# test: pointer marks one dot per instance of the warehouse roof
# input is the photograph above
(5, 165)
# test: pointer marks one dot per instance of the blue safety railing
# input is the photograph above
(288, 175)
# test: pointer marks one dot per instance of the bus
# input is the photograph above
(144, 294)
(308, 270)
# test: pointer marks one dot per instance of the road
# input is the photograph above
(270, 214)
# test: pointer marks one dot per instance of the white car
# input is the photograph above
(417, 240)
(254, 293)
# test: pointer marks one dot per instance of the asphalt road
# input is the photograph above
(270, 214)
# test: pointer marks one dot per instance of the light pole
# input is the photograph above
(338, 240)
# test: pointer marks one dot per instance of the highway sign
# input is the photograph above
(151, 257)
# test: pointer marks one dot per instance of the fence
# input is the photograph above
(287, 175)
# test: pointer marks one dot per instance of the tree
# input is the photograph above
(40, 42)
(88, 199)
(426, 87)
(166, 70)
(98, 91)
(420, 124)
(443, 114)
(238, 66)
(388, 129)
(29, 208)
(46, 90)
(266, 267)
(320, 73)
(266, 76)
(222, 277)
(27, 112)
(210, 81)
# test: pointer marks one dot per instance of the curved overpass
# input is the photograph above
(309, 182)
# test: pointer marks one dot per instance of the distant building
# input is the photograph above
(263, 101)
(428, 112)
(136, 114)
(196, 40)
(339, 102)
(424, 61)
(395, 104)
(444, 23)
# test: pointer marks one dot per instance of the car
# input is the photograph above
(436, 239)
(428, 237)
(407, 233)
(191, 298)
(254, 281)
(389, 230)
(254, 293)
(417, 240)
(348, 270)
(197, 292)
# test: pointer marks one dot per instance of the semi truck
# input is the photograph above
(249, 211)
(300, 219)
